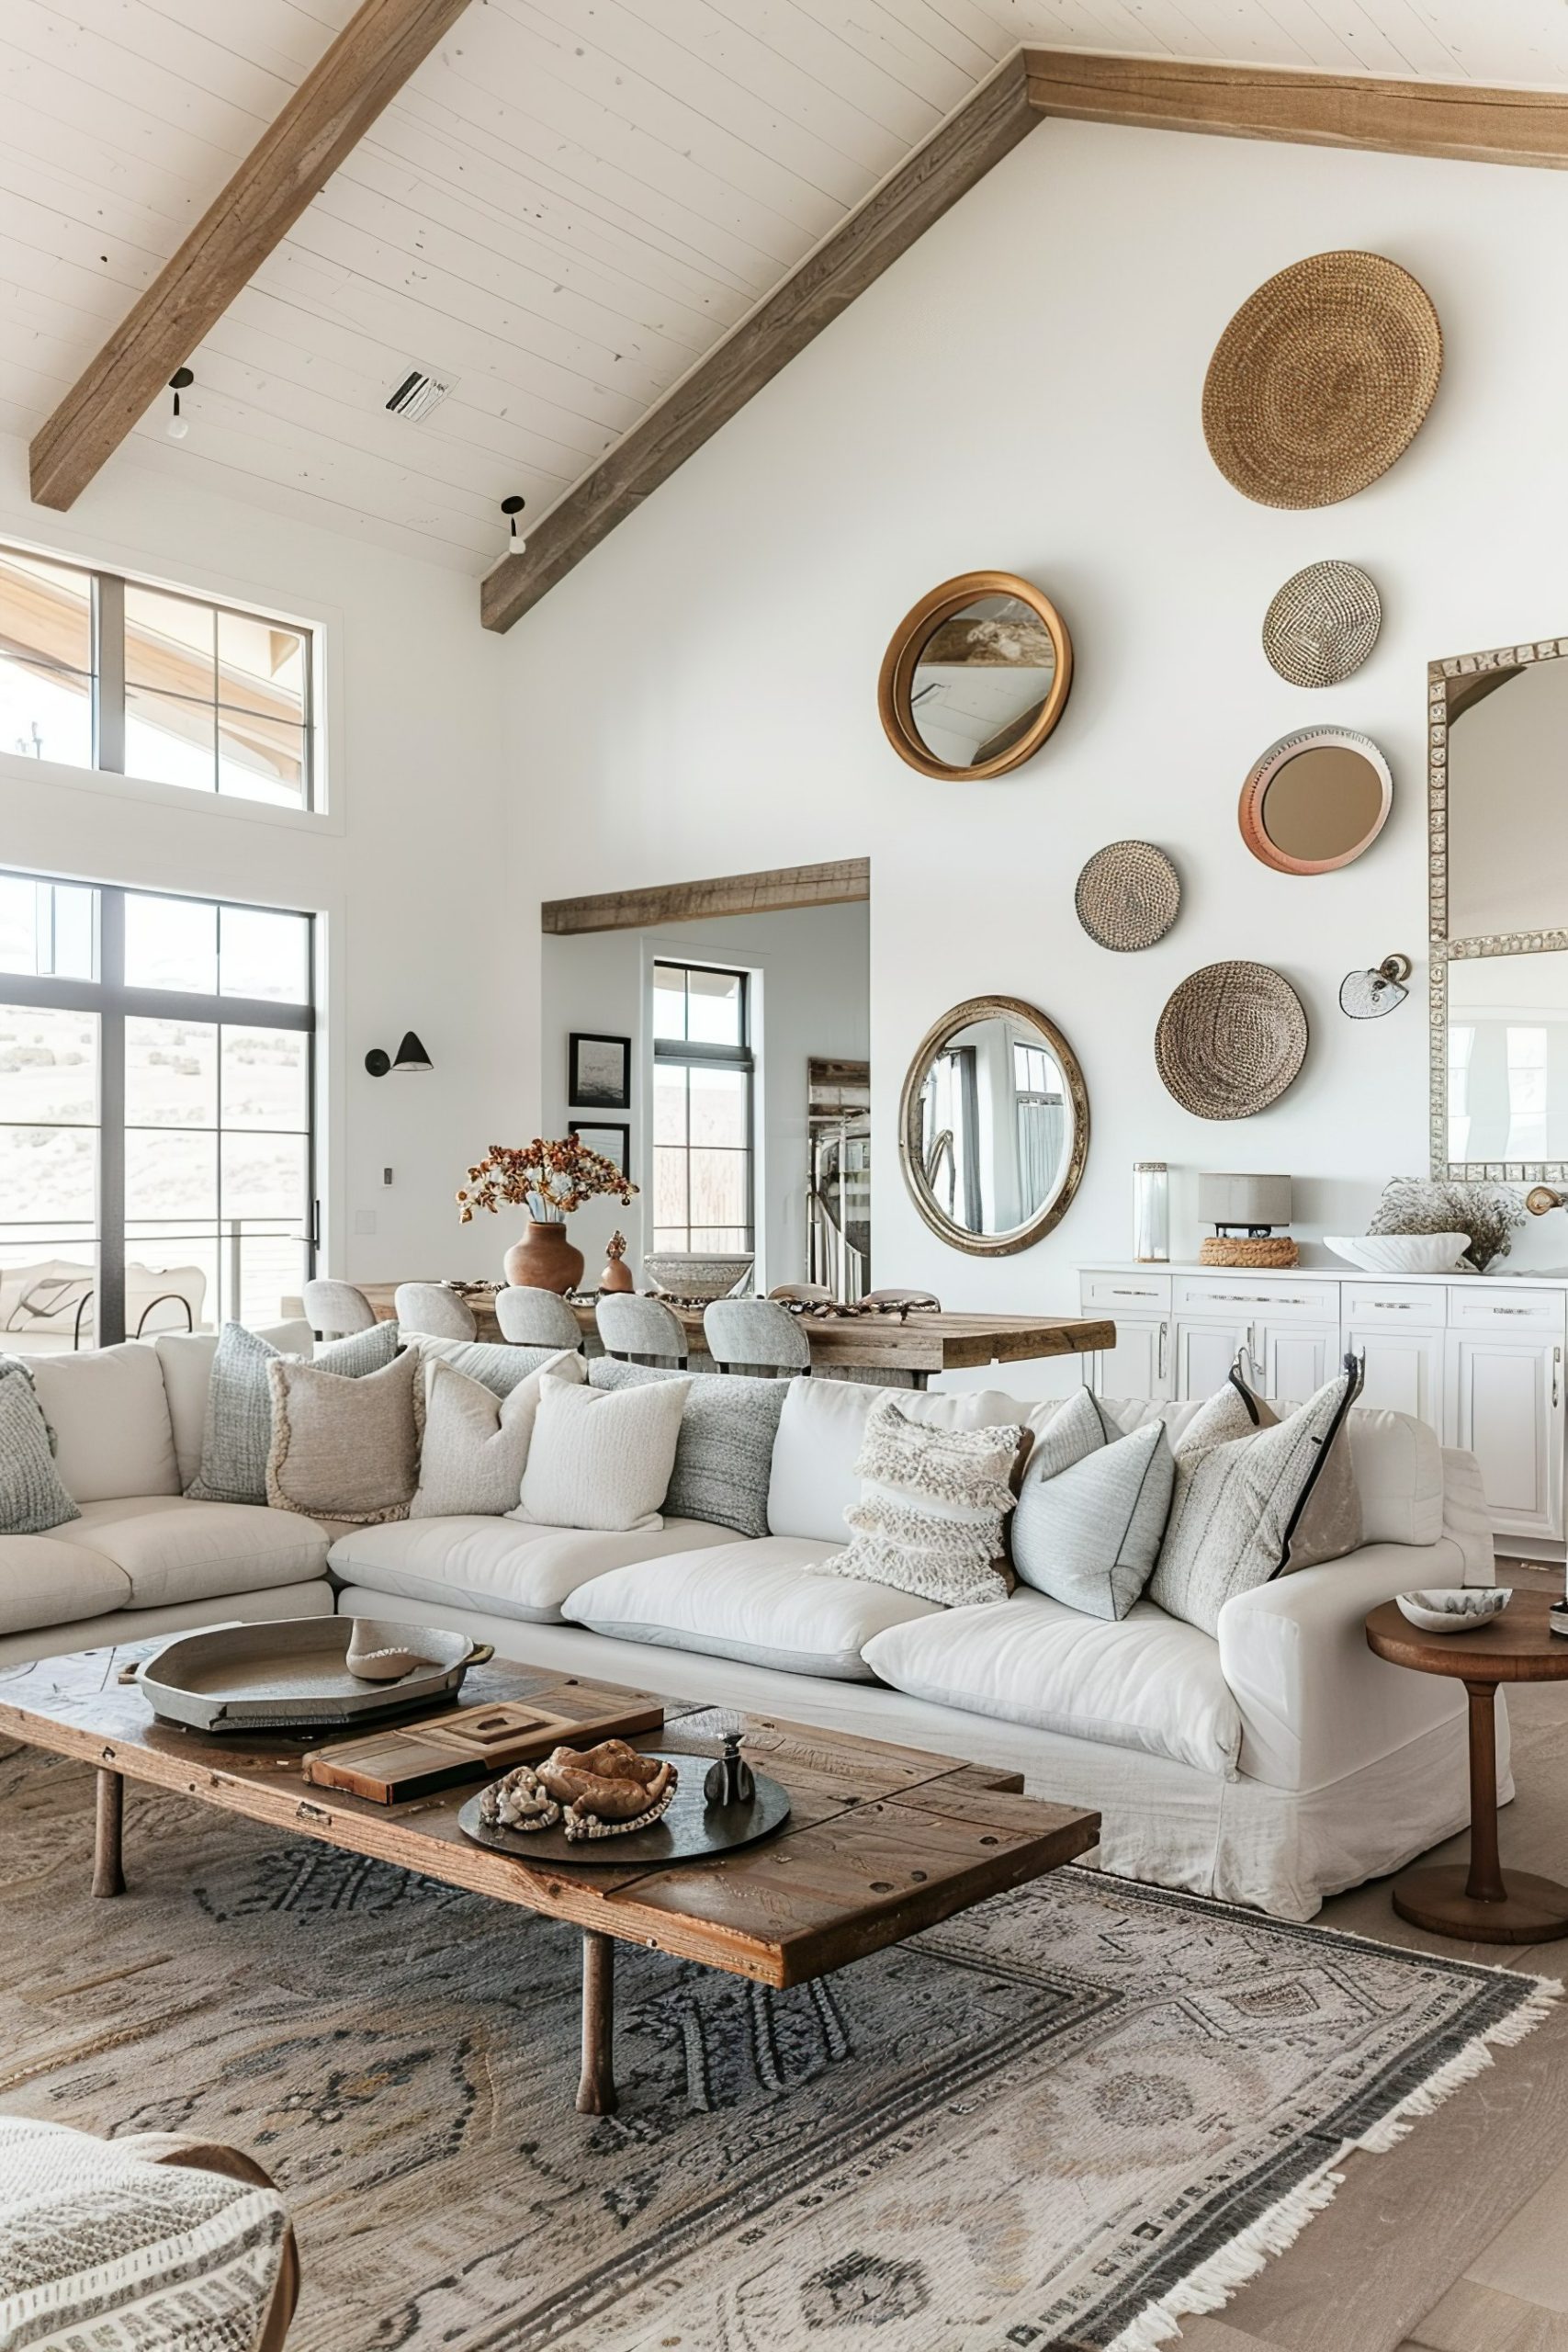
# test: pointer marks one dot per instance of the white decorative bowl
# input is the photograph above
(1401, 1253)
(693, 1274)
(1454, 1609)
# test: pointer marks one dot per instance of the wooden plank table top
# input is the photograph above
(922, 1341)
(882, 1840)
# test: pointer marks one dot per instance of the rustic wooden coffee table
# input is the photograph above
(882, 1841)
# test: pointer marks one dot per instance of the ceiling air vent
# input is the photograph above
(419, 393)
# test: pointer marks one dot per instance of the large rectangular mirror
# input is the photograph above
(1498, 816)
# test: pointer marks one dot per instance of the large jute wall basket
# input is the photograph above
(1321, 380)
(1231, 1039)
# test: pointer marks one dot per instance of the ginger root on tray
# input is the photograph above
(610, 1781)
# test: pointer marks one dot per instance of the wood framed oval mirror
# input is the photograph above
(1316, 800)
(993, 1127)
(975, 677)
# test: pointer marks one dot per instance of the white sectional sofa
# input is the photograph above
(1272, 1765)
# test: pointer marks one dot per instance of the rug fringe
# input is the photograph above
(1211, 2285)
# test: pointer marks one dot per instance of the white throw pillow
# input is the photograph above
(814, 1480)
(1088, 1528)
(932, 1501)
(475, 1444)
(602, 1457)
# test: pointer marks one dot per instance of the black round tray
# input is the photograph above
(689, 1830)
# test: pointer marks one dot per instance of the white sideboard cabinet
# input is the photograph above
(1480, 1358)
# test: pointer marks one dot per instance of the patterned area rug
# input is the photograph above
(1050, 2126)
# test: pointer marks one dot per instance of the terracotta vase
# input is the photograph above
(545, 1258)
(617, 1274)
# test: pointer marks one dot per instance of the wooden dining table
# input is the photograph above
(916, 1344)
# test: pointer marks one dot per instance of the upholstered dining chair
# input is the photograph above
(640, 1331)
(901, 1298)
(804, 1293)
(334, 1309)
(755, 1335)
(432, 1308)
(530, 1317)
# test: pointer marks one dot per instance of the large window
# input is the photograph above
(156, 1129)
(702, 1109)
(99, 672)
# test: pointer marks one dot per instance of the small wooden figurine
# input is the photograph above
(617, 1273)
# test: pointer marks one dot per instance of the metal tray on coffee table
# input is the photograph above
(292, 1675)
(691, 1830)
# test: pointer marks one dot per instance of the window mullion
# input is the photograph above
(111, 1119)
(109, 663)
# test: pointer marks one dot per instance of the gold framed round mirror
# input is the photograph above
(1316, 800)
(993, 1126)
(975, 677)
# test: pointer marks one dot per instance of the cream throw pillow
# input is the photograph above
(342, 1448)
(475, 1444)
(601, 1458)
(932, 1509)
(1329, 1524)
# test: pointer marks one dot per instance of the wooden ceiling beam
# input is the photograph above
(843, 882)
(892, 218)
(330, 111)
(1464, 123)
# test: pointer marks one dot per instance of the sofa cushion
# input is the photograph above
(814, 1480)
(931, 1507)
(601, 1458)
(346, 1447)
(175, 1550)
(239, 1431)
(763, 1602)
(1145, 1680)
(475, 1446)
(724, 1454)
(185, 1359)
(493, 1363)
(1088, 1533)
(31, 1497)
(1328, 1523)
(110, 1418)
(46, 1580)
(505, 1566)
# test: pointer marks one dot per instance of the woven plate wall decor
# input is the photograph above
(1323, 625)
(1230, 1040)
(1321, 380)
(1128, 895)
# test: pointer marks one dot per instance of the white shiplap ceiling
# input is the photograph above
(566, 208)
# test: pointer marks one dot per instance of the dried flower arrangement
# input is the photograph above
(549, 1178)
(1488, 1213)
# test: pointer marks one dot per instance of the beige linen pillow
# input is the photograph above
(475, 1444)
(344, 1449)
(601, 1458)
(1329, 1524)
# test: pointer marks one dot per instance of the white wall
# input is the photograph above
(812, 967)
(403, 866)
(1023, 391)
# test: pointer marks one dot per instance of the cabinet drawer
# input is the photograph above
(1398, 1306)
(1134, 1293)
(1504, 1305)
(1234, 1295)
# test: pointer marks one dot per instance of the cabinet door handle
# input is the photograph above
(1556, 1378)
(1164, 1333)
(1511, 1310)
(1402, 1305)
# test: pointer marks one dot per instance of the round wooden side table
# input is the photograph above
(1450, 1899)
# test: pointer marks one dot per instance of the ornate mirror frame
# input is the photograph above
(899, 662)
(1449, 685)
(958, 1237)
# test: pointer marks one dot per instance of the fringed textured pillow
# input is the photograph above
(932, 1509)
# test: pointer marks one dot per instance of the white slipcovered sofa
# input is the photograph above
(1272, 1765)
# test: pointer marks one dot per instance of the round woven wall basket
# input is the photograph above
(1230, 1040)
(1128, 895)
(1323, 625)
(1321, 380)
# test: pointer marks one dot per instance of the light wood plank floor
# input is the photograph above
(1456, 2241)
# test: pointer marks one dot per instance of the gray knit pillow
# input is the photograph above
(237, 1435)
(724, 1457)
(31, 1497)
(495, 1364)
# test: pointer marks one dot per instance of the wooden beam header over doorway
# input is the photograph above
(324, 121)
(780, 888)
(1463, 122)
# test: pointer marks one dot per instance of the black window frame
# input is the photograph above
(115, 1001)
(693, 1054)
(106, 677)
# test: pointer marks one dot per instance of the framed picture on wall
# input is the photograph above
(599, 1071)
(611, 1142)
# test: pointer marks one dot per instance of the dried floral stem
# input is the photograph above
(549, 1178)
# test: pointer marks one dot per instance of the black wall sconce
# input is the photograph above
(410, 1054)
